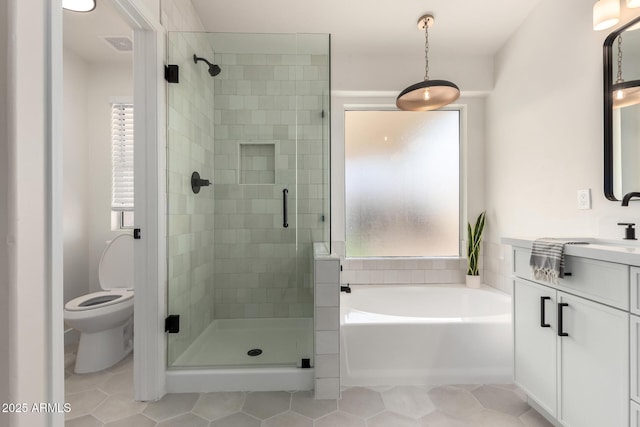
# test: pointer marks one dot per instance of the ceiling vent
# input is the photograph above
(120, 43)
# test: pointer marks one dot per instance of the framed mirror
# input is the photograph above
(621, 60)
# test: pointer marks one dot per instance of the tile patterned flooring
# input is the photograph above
(105, 399)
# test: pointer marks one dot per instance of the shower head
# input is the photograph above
(214, 70)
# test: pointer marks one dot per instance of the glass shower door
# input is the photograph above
(190, 230)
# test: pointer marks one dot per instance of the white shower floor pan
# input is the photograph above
(226, 342)
(218, 360)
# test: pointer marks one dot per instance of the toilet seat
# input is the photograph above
(99, 299)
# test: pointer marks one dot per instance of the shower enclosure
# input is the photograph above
(250, 115)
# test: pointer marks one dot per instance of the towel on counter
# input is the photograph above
(547, 259)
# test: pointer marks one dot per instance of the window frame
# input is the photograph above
(118, 220)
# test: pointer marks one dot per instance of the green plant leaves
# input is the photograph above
(473, 244)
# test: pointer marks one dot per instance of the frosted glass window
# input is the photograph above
(402, 183)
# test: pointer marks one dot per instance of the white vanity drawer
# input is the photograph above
(600, 281)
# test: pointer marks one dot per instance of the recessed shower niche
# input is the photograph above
(240, 252)
(257, 163)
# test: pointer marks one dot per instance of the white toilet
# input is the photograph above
(105, 319)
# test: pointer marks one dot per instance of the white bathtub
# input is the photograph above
(425, 334)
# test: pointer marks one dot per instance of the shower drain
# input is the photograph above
(254, 352)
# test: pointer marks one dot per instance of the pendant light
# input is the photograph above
(427, 94)
(606, 14)
(79, 5)
(624, 93)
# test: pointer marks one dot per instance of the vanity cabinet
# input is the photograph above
(571, 341)
(534, 344)
(634, 342)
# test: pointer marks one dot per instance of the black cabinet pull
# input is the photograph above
(561, 332)
(568, 274)
(285, 196)
(542, 314)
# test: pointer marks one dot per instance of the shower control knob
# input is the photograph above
(197, 182)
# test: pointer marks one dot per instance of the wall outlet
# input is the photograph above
(584, 199)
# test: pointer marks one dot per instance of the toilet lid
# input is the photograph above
(116, 265)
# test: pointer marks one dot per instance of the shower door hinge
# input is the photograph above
(171, 73)
(172, 324)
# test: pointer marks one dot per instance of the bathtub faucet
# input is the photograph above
(346, 289)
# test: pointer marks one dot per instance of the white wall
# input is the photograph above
(377, 80)
(105, 81)
(27, 243)
(4, 211)
(153, 6)
(389, 72)
(179, 15)
(75, 176)
(88, 90)
(545, 134)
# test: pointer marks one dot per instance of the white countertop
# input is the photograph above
(618, 251)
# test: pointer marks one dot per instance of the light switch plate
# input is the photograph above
(584, 199)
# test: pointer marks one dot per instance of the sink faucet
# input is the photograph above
(628, 196)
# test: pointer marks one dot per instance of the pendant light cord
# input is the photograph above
(619, 80)
(426, 50)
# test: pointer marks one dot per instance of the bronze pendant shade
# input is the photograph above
(428, 94)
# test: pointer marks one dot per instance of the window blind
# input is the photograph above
(122, 156)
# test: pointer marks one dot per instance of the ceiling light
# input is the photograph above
(633, 3)
(79, 5)
(624, 93)
(606, 14)
(427, 94)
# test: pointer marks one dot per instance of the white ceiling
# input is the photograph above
(462, 27)
(83, 33)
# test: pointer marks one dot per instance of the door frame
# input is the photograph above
(150, 273)
(149, 358)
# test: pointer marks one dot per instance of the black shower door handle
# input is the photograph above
(285, 197)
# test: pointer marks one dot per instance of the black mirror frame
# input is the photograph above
(607, 63)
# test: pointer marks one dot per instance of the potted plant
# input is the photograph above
(473, 251)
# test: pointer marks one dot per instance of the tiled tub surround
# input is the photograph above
(268, 103)
(327, 323)
(368, 271)
(190, 216)
(497, 266)
(105, 399)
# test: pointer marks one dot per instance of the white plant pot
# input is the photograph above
(473, 281)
